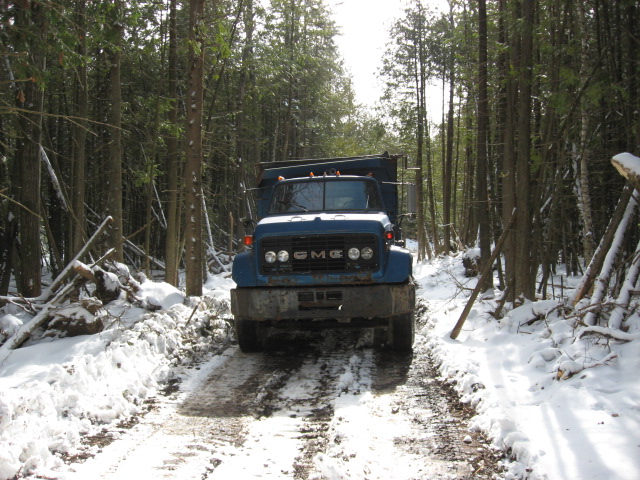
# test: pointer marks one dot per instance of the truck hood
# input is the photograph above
(323, 222)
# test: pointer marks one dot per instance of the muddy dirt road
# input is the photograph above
(314, 405)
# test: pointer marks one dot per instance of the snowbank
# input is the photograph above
(55, 391)
(562, 406)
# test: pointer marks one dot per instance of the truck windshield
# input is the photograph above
(320, 195)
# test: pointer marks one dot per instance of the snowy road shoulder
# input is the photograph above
(54, 392)
(534, 388)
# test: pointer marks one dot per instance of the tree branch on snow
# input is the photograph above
(624, 297)
(603, 248)
(602, 281)
(26, 329)
(569, 368)
(590, 308)
(50, 291)
(610, 333)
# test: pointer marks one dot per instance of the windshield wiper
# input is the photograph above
(292, 204)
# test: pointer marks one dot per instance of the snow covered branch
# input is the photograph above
(611, 333)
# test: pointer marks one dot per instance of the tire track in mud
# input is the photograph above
(313, 405)
(296, 379)
(439, 422)
(354, 412)
(255, 406)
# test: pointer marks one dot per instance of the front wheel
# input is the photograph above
(250, 335)
(401, 332)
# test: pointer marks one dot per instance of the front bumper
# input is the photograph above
(321, 303)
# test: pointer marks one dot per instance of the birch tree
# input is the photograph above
(584, 197)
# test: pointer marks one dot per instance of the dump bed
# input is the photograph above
(382, 167)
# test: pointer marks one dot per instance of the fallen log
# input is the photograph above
(597, 261)
(48, 293)
(21, 335)
(610, 333)
(628, 166)
(69, 268)
(26, 329)
(601, 283)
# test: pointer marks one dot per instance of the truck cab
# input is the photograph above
(325, 253)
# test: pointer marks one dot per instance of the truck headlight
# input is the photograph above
(366, 253)
(354, 253)
(270, 257)
(283, 256)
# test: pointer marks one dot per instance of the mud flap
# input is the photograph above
(401, 332)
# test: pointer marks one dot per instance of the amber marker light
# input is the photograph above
(248, 240)
(388, 235)
(280, 178)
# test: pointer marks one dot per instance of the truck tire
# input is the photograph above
(401, 332)
(250, 335)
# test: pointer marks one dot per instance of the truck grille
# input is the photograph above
(319, 253)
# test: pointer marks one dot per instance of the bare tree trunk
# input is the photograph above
(613, 252)
(419, 149)
(8, 210)
(448, 165)
(508, 154)
(30, 19)
(148, 215)
(290, 43)
(469, 224)
(194, 260)
(79, 135)
(486, 271)
(172, 242)
(620, 312)
(246, 78)
(114, 179)
(482, 200)
(524, 270)
(431, 195)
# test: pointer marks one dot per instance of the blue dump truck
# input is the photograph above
(326, 252)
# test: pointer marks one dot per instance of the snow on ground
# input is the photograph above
(584, 425)
(57, 390)
(562, 408)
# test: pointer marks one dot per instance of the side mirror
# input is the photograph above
(248, 222)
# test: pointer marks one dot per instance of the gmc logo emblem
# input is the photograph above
(333, 254)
